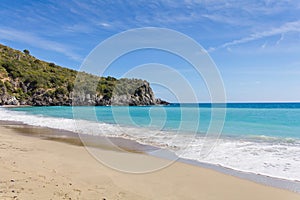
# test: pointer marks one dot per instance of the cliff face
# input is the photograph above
(143, 95)
(25, 80)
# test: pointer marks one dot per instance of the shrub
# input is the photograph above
(70, 87)
(8, 86)
(60, 91)
(27, 52)
(1, 84)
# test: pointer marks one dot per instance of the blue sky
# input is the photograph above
(255, 44)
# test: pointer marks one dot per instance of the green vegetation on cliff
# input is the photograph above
(27, 80)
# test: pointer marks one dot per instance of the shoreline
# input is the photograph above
(280, 183)
(123, 144)
(20, 130)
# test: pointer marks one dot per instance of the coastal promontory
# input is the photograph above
(26, 80)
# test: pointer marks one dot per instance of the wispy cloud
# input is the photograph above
(244, 13)
(211, 22)
(117, 15)
(222, 19)
(36, 41)
(285, 28)
(280, 39)
(264, 45)
(79, 28)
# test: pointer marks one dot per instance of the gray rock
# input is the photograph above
(142, 95)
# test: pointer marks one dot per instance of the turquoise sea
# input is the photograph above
(260, 138)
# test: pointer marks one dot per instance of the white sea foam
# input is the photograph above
(279, 160)
(260, 155)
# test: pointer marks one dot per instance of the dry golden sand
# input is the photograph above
(32, 168)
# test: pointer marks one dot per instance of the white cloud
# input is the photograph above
(105, 24)
(281, 39)
(79, 28)
(264, 45)
(33, 40)
(223, 19)
(285, 28)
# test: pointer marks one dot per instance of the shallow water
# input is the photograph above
(257, 138)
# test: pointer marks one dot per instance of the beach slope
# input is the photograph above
(33, 168)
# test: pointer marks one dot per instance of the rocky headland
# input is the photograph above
(26, 80)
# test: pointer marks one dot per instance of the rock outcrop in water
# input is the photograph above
(25, 80)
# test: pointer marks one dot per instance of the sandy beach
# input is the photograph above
(35, 168)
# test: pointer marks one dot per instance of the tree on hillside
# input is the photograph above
(27, 52)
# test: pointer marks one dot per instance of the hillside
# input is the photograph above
(26, 80)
